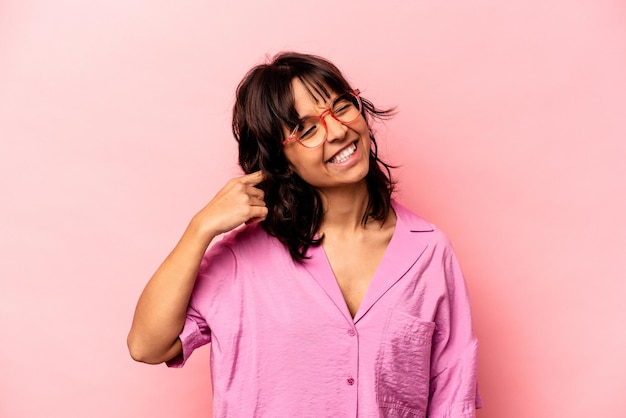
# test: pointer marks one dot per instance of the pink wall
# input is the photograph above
(114, 130)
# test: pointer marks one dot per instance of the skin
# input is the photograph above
(354, 250)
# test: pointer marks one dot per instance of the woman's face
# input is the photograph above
(341, 160)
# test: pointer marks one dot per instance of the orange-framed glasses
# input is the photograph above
(313, 131)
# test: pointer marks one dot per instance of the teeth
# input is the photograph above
(344, 155)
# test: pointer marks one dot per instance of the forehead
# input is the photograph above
(309, 96)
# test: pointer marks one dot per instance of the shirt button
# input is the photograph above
(351, 332)
(350, 381)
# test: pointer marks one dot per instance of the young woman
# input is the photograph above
(333, 300)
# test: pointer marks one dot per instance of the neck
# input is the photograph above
(344, 207)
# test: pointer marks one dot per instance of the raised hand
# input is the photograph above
(236, 203)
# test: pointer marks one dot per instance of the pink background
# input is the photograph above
(115, 130)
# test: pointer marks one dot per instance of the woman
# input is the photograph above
(334, 300)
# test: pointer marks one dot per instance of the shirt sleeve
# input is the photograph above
(453, 385)
(195, 333)
(217, 267)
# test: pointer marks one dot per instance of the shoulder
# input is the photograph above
(438, 252)
(247, 241)
(409, 220)
(248, 247)
(413, 228)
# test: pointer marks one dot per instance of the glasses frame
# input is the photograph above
(329, 111)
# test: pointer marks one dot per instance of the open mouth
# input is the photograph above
(344, 154)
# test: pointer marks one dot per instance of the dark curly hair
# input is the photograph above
(264, 107)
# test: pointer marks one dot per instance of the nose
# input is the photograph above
(335, 130)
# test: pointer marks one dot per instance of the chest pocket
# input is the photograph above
(403, 366)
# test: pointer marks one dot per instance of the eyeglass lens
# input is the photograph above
(312, 131)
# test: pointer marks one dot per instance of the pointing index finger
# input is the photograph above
(253, 179)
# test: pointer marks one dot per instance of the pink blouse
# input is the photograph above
(285, 345)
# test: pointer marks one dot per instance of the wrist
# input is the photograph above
(200, 232)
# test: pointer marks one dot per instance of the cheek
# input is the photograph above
(301, 162)
(367, 143)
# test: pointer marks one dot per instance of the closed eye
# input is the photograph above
(342, 105)
(307, 131)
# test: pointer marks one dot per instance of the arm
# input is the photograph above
(161, 309)
(453, 386)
